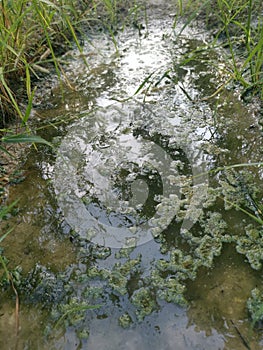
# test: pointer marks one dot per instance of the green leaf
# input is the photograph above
(20, 138)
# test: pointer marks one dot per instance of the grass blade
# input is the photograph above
(20, 138)
(6, 210)
(29, 106)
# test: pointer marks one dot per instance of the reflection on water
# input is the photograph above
(113, 157)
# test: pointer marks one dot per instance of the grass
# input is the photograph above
(34, 34)
(30, 35)
(238, 27)
(247, 66)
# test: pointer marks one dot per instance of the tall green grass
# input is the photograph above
(33, 34)
(30, 35)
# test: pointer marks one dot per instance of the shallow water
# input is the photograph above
(121, 215)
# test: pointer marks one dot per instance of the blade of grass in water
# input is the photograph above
(254, 217)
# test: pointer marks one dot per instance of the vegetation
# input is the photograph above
(255, 306)
(32, 36)
(29, 33)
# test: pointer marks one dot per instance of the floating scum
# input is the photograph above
(120, 182)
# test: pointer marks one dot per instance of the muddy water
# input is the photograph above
(123, 214)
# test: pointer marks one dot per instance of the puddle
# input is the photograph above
(124, 215)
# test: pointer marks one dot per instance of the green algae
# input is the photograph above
(125, 252)
(144, 301)
(74, 311)
(255, 306)
(179, 264)
(43, 286)
(125, 320)
(208, 248)
(172, 291)
(240, 192)
(251, 246)
(118, 282)
(166, 279)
